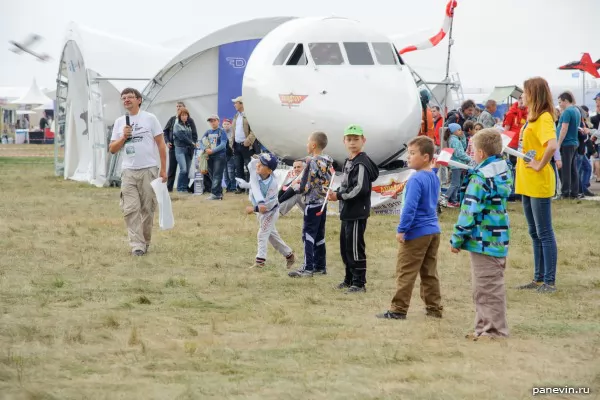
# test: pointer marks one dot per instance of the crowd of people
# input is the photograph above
(576, 161)
(482, 192)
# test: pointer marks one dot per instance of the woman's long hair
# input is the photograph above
(181, 112)
(539, 98)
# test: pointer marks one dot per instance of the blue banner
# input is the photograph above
(233, 58)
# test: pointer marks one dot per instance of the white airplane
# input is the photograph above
(323, 74)
(25, 47)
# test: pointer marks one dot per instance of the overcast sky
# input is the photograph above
(497, 42)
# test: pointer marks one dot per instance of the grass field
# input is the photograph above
(81, 319)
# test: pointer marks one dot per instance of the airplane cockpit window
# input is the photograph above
(358, 53)
(326, 53)
(384, 53)
(298, 56)
(283, 54)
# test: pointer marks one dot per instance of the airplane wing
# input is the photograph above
(15, 49)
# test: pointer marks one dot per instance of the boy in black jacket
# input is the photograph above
(354, 195)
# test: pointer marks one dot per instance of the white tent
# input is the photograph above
(88, 102)
(192, 75)
(34, 96)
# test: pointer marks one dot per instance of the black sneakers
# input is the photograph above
(356, 289)
(391, 315)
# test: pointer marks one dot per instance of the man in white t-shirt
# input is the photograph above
(140, 140)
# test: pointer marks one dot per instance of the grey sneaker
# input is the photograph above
(300, 273)
(356, 289)
(213, 197)
(546, 289)
(138, 252)
(343, 285)
(531, 285)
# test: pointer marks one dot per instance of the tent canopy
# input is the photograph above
(144, 59)
(501, 93)
(34, 96)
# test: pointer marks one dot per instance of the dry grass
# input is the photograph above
(80, 318)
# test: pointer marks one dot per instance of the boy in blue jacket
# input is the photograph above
(418, 234)
(217, 156)
(483, 230)
(457, 141)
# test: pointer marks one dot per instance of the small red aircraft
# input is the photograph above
(585, 64)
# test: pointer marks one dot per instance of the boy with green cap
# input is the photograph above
(354, 195)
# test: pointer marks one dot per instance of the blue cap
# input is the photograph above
(425, 97)
(597, 96)
(269, 160)
(454, 127)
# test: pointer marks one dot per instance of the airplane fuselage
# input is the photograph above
(323, 74)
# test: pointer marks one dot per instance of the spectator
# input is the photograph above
(537, 184)
(168, 132)
(584, 152)
(229, 175)
(438, 122)
(487, 118)
(566, 131)
(514, 120)
(460, 116)
(217, 157)
(595, 120)
(427, 126)
(184, 147)
(469, 130)
(142, 138)
(242, 140)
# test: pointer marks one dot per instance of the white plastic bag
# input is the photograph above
(165, 211)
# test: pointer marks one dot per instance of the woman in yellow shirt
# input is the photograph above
(536, 182)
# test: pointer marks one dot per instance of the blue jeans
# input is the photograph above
(585, 172)
(538, 212)
(230, 182)
(216, 167)
(183, 156)
(455, 181)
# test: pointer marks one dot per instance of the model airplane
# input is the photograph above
(25, 47)
(322, 74)
(585, 64)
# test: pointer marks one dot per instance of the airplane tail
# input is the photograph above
(437, 38)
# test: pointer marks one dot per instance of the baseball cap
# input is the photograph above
(454, 127)
(237, 100)
(354, 130)
(597, 96)
(269, 160)
(226, 120)
(213, 116)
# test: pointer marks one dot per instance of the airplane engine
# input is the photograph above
(323, 74)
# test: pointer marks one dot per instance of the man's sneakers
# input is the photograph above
(213, 197)
(138, 252)
(587, 193)
(258, 264)
(301, 273)
(343, 285)
(391, 315)
(356, 289)
(531, 285)
(545, 288)
(539, 287)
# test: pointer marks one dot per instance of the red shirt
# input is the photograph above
(515, 119)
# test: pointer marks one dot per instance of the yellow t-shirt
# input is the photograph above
(535, 136)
